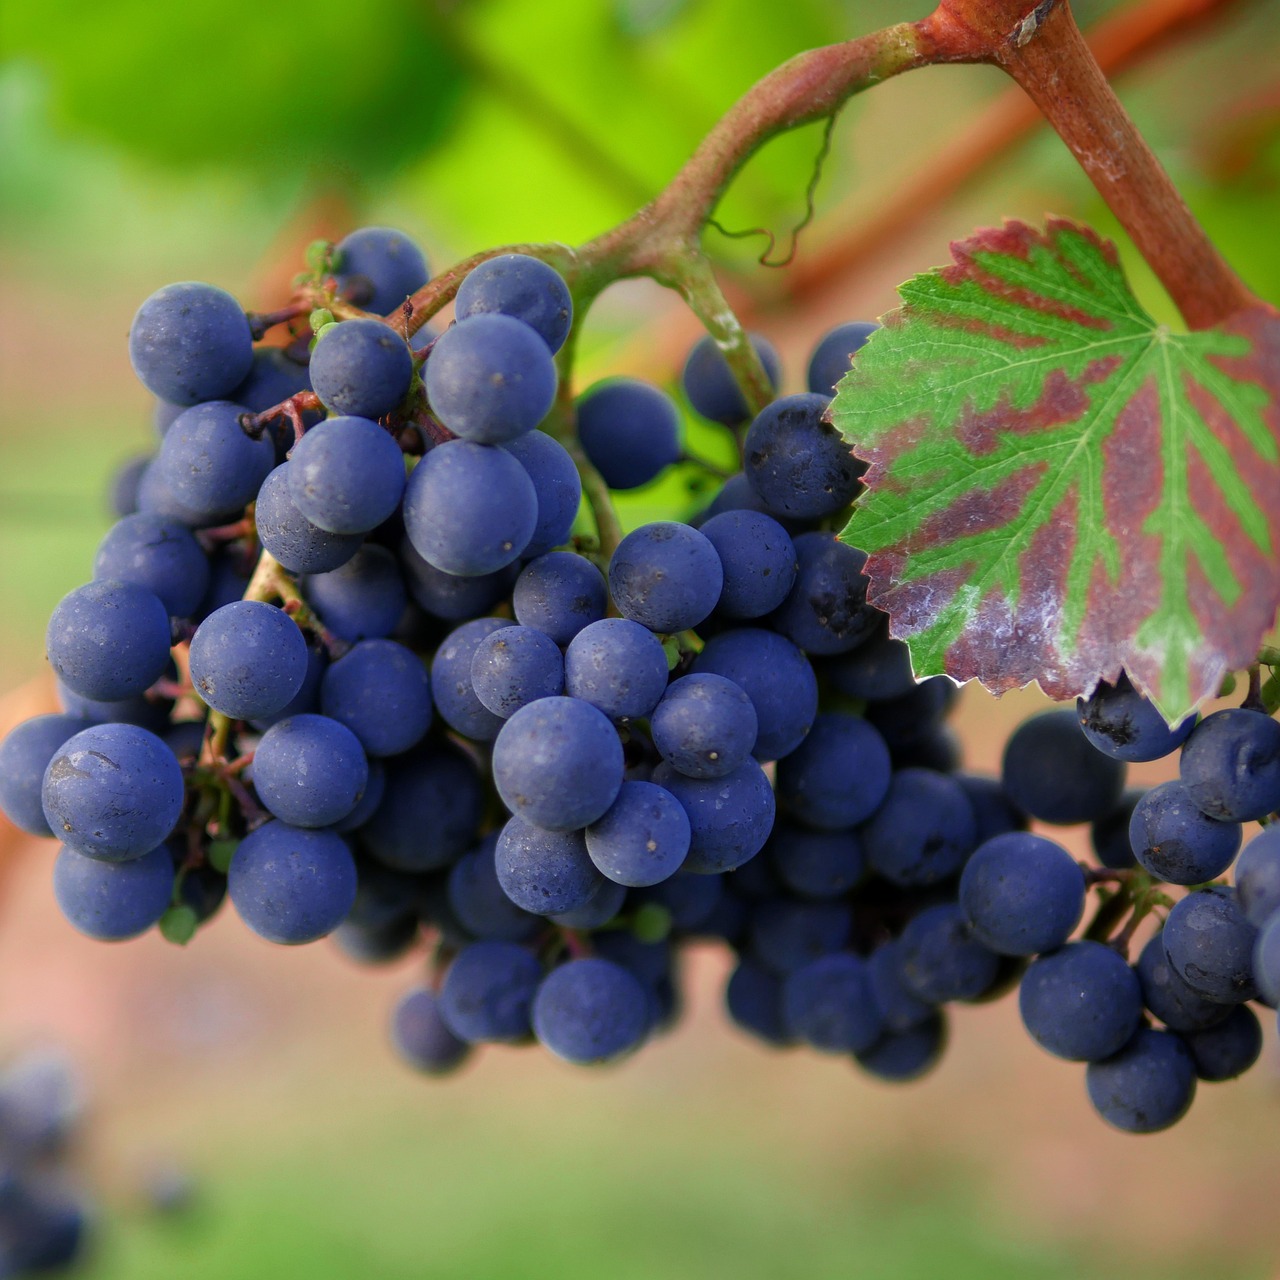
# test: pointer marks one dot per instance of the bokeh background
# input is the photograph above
(211, 140)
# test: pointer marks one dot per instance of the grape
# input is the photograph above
(112, 901)
(546, 872)
(285, 533)
(797, 463)
(109, 640)
(1178, 843)
(556, 485)
(1257, 874)
(839, 775)
(377, 268)
(488, 992)
(360, 367)
(710, 385)
(308, 696)
(448, 597)
(190, 342)
(292, 885)
(248, 659)
(1053, 773)
(878, 670)
(785, 935)
(831, 357)
(1209, 942)
(25, 753)
(924, 830)
(1266, 960)
(828, 1005)
(524, 288)
(455, 696)
(1121, 723)
(229, 574)
(490, 378)
(159, 555)
(382, 693)
(559, 593)
(629, 430)
(1180, 1007)
(272, 379)
(1082, 1002)
(993, 812)
(598, 910)
(590, 1010)
(777, 678)
(346, 475)
(362, 599)
(816, 864)
(469, 508)
(163, 415)
(1230, 1048)
(309, 771)
(557, 763)
(729, 818)
(907, 1055)
(914, 716)
(209, 466)
(690, 900)
(940, 959)
(753, 998)
(112, 792)
(1231, 765)
(642, 838)
(1147, 1086)
(618, 667)
(1022, 894)
(899, 1007)
(421, 1037)
(665, 576)
(374, 792)
(1109, 834)
(514, 666)
(826, 611)
(145, 710)
(478, 900)
(758, 559)
(705, 726)
(125, 483)
(376, 944)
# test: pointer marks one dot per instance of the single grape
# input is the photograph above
(826, 611)
(589, 1011)
(112, 901)
(753, 999)
(828, 1004)
(309, 771)
(915, 716)
(522, 287)
(514, 666)
(730, 818)
(125, 484)
(307, 698)
(362, 599)
(907, 1055)
(1122, 724)
(1146, 1087)
(375, 791)
(285, 533)
(1231, 765)
(878, 670)
(900, 1008)
(248, 659)
(838, 776)
(159, 555)
(555, 483)
(993, 812)
(832, 356)
(1175, 841)
(1230, 1048)
(710, 385)
(705, 726)
(209, 465)
(629, 430)
(1109, 834)
(816, 864)
(448, 597)
(25, 753)
(455, 696)
(478, 900)
(362, 368)
(923, 831)
(618, 667)
(1210, 942)
(421, 1037)
(545, 872)
(273, 378)
(940, 959)
(665, 576)
(1257, 875)
(1266, 960)
(1082, 1002)
(642, 838)
(346, 475)
(559, 593)
(377, 268)
(144, 710)
(1053, 772)
(758, 559)
(381, 691)
(785, 935)
(1180, 1007)
(687, 898)
(488, 992)
(598, 910)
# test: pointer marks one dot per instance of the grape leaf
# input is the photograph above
(1058, 486)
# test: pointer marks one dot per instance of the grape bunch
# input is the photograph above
(353, 658)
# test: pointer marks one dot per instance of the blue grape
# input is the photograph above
(145, 710)
(362, 599)
(1083, 1002)
(900, 1008)
(470, 509)
(1209, 942)
(375, 791)
(753, 998)
(514, 666)
(1122, 724)
(25, 753)
(490, 378)
(109, 640)
(272, 378)
(292, 885)
(629, 430)
(1175, 841)
(1257, 875)
(559, 593)
(1229, 1049)
(924, 830)
(598, 910)
(816, 864)
(828, 1004)
(1231, 765)
(994, 814)
(545, 872)
(705, 726)
(617, 666)
(522, 287)
(112, 901)
(777, 678)
(309, 771)
(164, 414)
(826, 611)
(556, 484)
(1109, 834)
(422, 1038)
(1266, 960)
(838, 776)
(190, 342)
(642, 838)
(478, 899)
(209, 466)
(1052, 771)
(160, 555)
(1178, 1006)
(1146, 1087)
(831, 357)
(488, 992)
(758, 559)
(377, 268)
(448, 597)
(382, 693)
(688, 899)
(126, 480)
(230, 570)
(558, 763)
(786, 935)
(915, 716)
(248, 659)
(455, 696)
(346, 475)
(940, 959)
(797, 463)
(362, 368)
(710, 385)
(665, 576)
(112, 792)
(877, 671)
(907, 1055)
(1022, 894)
(308, 696)
(285, 533)
(730, 818)
(589, 1011)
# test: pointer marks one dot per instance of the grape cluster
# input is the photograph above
(346, 661)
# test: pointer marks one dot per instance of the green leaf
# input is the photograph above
(178, 925)
(1058, 486)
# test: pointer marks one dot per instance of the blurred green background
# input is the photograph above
(141, 144)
